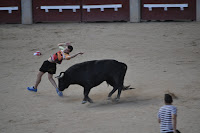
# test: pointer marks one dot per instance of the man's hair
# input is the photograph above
(70, 47)
(168, 98)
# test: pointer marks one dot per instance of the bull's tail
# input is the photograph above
(124, 87)
(127, 88)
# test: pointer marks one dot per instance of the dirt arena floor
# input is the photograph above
(162, 57)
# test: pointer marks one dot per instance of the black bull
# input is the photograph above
(92, 73)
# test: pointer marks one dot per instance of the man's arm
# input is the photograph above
(63, 44)
(70, 57)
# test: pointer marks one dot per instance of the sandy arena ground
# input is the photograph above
(161, 57)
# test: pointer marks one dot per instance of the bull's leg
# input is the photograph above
(86, 97)
(119, 93)
(110, 94)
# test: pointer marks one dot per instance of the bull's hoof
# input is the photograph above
(117, 99)
(109, 98)
(83, 102)
(90, 101)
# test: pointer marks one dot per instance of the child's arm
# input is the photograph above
(174, 122)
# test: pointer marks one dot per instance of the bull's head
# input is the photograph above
(62, 82)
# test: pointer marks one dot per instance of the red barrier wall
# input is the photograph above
(14, 16)
(172, 13)
(39, 15)
(81, 15)
(122, 14)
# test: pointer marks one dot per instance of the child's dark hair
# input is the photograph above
(70, 47)
(168, 98)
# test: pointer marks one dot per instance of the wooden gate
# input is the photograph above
(168, 9)
(10, 11)
(80, 10)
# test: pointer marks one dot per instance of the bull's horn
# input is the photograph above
(60, 75)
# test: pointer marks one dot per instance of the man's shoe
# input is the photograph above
(59, 92)
(32, 89)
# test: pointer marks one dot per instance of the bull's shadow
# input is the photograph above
(136, 101)
(100, 100)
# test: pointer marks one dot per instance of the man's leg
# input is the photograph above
(50, 77)
(38, 80)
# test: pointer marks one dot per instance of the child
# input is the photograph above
(50, 66)
(167, 116)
